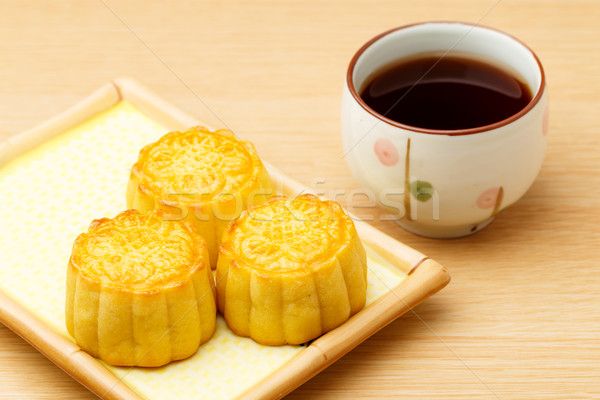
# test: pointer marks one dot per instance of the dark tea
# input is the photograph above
(445, 93)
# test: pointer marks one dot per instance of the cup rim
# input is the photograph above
(453, 132)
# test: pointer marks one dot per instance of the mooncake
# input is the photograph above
(290, 270)
(140, 290)
(203, 177)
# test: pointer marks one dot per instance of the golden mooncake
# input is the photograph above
(203, 177)
(290, 270)
(140, 290)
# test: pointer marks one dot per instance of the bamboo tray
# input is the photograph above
(57, 177)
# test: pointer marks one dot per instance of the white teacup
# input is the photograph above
(444, 183)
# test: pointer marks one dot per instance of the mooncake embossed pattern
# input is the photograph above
(290, 270)
(140, 290)
(203, 177)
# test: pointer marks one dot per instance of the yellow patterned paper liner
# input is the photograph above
(51, 193)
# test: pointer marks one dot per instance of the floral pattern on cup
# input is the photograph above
(386, 152)
(488, 198)
(545, 122)
(421, 190)
(491, 198)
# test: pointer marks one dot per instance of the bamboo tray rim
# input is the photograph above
(424, 275)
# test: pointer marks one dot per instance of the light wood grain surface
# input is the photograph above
(521, 317)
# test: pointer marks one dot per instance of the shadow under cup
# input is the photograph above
(444, 183)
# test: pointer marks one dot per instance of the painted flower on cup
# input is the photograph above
(490, 197)
(421, 190)
(386, 152)
(545, 122)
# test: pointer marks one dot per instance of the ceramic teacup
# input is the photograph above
(444, 183)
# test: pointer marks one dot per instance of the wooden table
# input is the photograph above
(521, 318)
